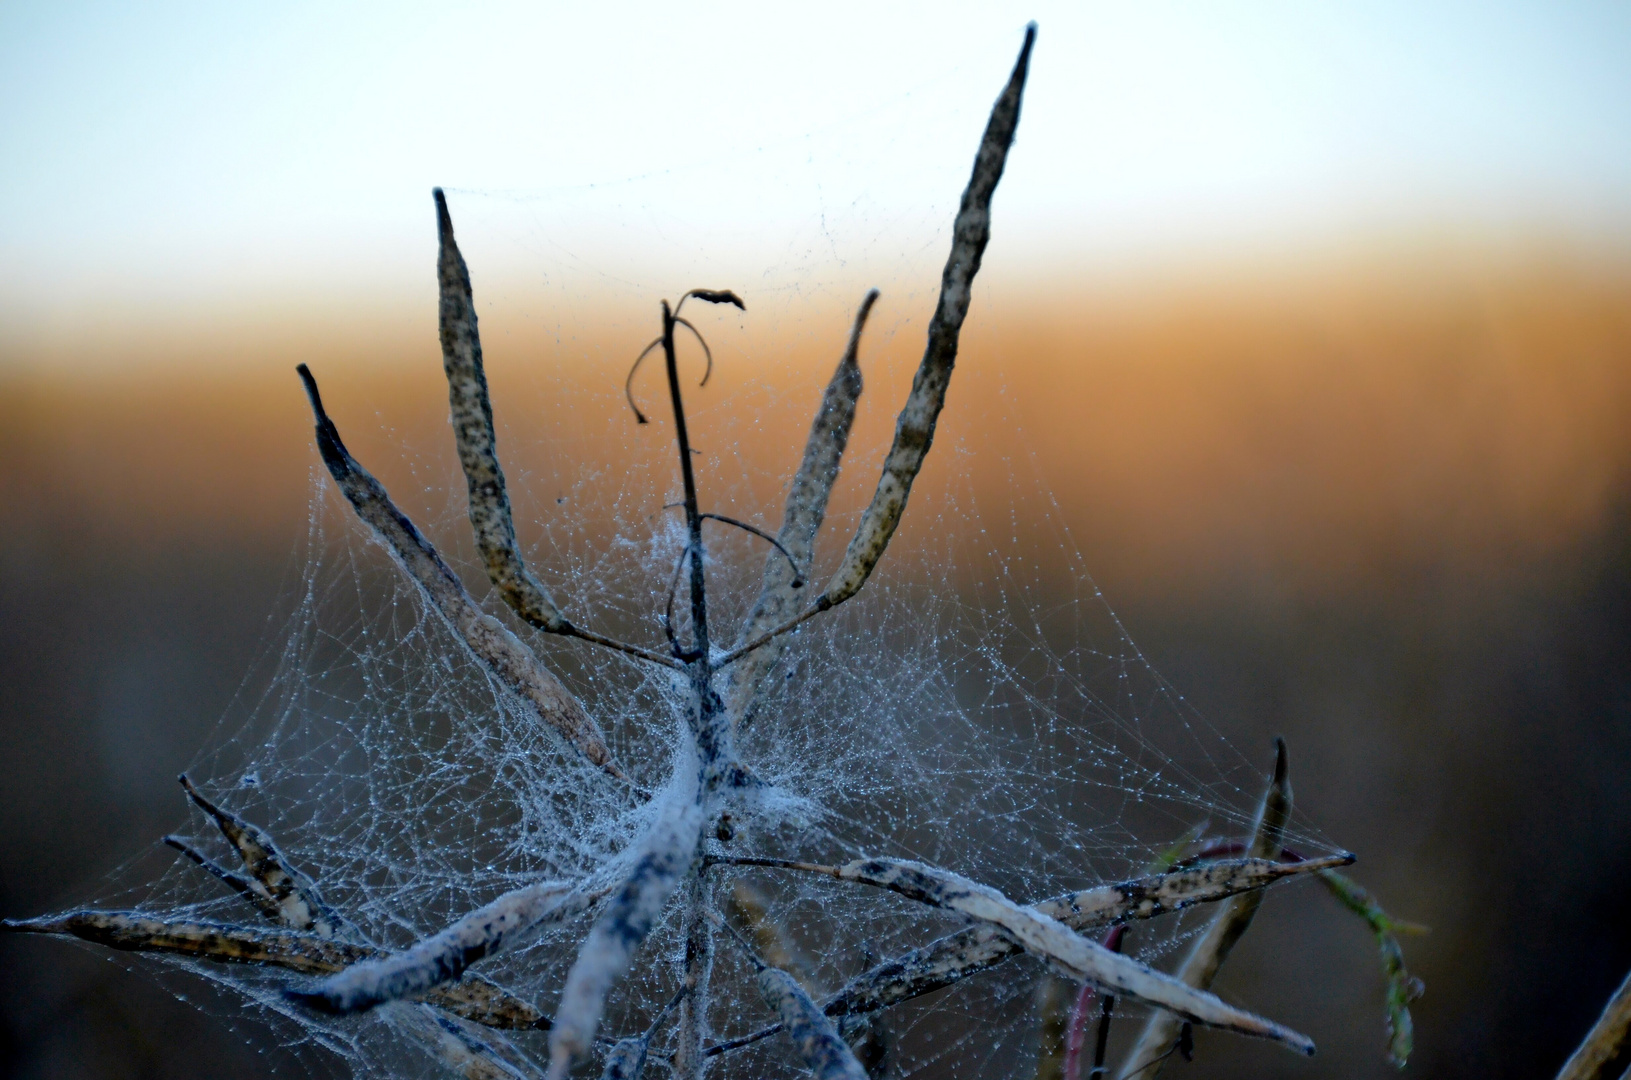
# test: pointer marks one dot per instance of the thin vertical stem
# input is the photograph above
(693, 516)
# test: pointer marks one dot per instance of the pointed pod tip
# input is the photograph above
(1281, 764)
(444, 218)
(316, 399)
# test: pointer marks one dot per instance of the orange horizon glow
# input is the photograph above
(1369, 414)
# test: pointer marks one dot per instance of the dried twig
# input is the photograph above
(1048, 938)
(497, 649)
(914, 429)
(1604, 1042)
(1201, 966)
(510, 921)
(806, 508)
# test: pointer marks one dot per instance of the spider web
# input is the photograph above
(979, 706)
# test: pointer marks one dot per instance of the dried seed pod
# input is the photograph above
(281, 891)
(460, 1046)
(823, 1051)
(471, 415)
(781, 592)
(627, 1059)
(510, 921)
(967, 952)
(1200, 967)
(493, 645)
(1048, 938)
(473, 997)
(914, 429)
(1159, 894)
(665, 855)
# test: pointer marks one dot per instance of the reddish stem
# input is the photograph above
(1076, 1033)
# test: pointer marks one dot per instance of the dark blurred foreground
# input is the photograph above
(1447, 659)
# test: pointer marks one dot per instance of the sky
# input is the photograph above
(159, 158)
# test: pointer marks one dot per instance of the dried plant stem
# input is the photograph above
(692, 1028)
(442, 1026)
(802, 515)
(1053, 941)
(1201, 966)
(1053, 997)
(1076, 1031)
(511, 920)
(489, 641)
(1604, 1042)
(750, 908)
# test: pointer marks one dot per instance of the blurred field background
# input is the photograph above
(1363, 484)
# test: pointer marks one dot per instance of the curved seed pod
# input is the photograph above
(1200, 967)
(278, 889)
(666, 854)
(510, 921)
(914, 430)
(970, 951)
(1159, 894)
(806, 507)
(470, 411)
(1048, 938)
(472, 997)
(490, 641)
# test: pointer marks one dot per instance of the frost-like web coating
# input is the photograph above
(973, 709)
